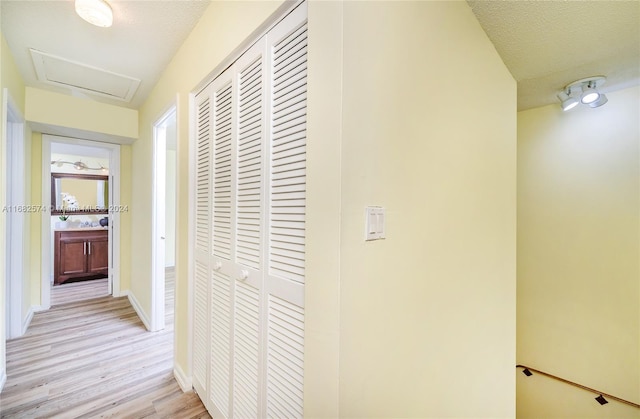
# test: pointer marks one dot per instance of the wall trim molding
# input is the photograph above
(137, 307)
(183, 380)
(27, 320)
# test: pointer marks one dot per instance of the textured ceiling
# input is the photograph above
(144, 37)
(548, 44)
(545, 44)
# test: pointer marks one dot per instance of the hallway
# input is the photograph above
(94, 358)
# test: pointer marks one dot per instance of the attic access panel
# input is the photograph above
(59, 71)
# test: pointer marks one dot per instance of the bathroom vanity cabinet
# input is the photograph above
(80, 254)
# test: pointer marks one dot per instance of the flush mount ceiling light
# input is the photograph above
(583, 91)
(96, 12)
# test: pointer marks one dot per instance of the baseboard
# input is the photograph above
(3, 379)
(27, 320)
(183, 381)
(136, 306)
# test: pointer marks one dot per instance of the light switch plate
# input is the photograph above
(374, 223)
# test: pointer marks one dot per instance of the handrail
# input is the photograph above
(637, 406)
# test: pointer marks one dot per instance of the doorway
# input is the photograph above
(87, 159)
(164, 213)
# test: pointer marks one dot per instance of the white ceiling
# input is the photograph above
(545, 44)
(548, 44)
(144, 37)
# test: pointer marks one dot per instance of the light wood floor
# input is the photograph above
(78, 291)
(90, 358)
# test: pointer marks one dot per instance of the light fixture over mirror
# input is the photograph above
(78, 165)
(96, 12)
(583, 91)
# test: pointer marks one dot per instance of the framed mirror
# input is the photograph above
(79, 194)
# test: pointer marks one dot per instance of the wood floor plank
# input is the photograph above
(90, 356)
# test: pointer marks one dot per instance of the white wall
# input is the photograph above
(578, 256)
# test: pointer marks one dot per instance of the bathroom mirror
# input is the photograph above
(85, 194)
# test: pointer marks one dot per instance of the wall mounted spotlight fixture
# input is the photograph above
(583, 91)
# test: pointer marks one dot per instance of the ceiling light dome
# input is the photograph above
(96, 12)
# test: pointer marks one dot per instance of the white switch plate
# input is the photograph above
(374, 223)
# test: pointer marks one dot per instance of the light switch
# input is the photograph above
(374, 223)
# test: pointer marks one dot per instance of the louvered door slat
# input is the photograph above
(286, 218)
(222, 161)
(250, 156)
(286, 358)
(201, 331)
(202, 249)
(203, 168)
(246, 351)
(219, 344)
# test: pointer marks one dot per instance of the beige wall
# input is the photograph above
(427, 316)
(222, 28)
(84, 117)
(578, 256)
(170, 210)
(36, 220)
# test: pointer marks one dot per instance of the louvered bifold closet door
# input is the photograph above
(202, 270)
(223, 131)
(249, 236)
(287, 49)
(250, 221)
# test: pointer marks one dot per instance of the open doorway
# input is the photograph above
(164, 215)
(80, 236)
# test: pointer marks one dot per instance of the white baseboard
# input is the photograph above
(183, 381)
(3, 379)
(27, 320)
(136, 306)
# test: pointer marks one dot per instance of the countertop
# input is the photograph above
(81, 228)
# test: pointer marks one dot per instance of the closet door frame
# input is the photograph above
(187, 380)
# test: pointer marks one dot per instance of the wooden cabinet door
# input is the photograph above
(81, 255)
(98, 255)
(72, 258)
